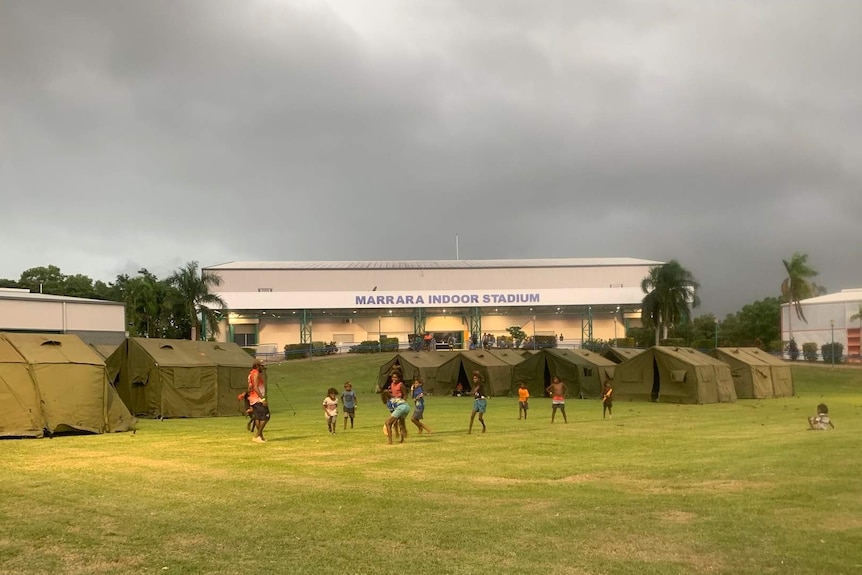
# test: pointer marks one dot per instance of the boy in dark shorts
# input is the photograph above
(348, 402)
(418, 394)
(257, 399)
(607, 400)
(523, 400)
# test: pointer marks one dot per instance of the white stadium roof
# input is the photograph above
(432, 264)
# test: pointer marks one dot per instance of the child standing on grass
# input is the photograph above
(330, 409)
(523, 400)
(821, 421)
(480, 402)
(557, 390)
(418, 394)
(348, 401)
(607, 400)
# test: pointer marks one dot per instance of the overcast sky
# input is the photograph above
(726, 135)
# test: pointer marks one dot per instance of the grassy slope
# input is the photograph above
(739, 488)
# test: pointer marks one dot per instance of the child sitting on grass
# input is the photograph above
(821, 421)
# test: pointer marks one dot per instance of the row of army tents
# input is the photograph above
(58, 384)
(665, 374)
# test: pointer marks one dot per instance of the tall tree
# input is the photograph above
(195, 293)
(796, 286)
(49, 280)
(146, 304)
(671, 292)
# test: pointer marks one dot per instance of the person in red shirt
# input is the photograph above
(257, 400)
(397, 387)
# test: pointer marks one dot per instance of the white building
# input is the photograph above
(277, 303)
(828, 317)
(95, 321)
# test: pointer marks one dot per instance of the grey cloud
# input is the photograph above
(722, 135)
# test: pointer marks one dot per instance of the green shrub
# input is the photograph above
(367, 346)
(389, 344)
(809, 351)
(295, 351)
(793, 350)
(624, 342)
(703, 344)
(775, 346)
(673, 342)
(596, 345)
(832, 352)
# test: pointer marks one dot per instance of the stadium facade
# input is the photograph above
(96, 322)
(271, 304)
(828, 318)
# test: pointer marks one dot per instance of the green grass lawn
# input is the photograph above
(664, 489)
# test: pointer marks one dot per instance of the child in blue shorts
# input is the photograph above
(480, 402)
(418, 394)
(399, 409)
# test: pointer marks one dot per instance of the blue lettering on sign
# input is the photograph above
(446, 299)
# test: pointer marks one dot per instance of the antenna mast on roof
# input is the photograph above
(456, 248)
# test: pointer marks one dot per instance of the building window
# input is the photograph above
(264, 289)
(245, 339)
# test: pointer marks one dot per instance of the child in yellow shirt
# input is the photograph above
(523, 400)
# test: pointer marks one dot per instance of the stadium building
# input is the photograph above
(271, 304)
(829, 318)
(96, 322)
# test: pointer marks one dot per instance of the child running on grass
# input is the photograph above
(418, 394)
(348, 401)
(523, 400)
(330, 409)
(398, 410)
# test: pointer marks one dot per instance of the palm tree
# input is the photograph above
(671, 292)
(194, 292)
(796, 286)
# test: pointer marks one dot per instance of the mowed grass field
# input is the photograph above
(665, 489)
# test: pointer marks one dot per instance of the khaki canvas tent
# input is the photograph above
(581, 370)
(233, 365)
(179, 378)
(782, 378)
(53, 384)
(620, 354)
(756, 374)
(673, 375)
(438, 369)
(103, 349)
(495, 367)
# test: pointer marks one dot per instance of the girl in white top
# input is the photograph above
(330, 409)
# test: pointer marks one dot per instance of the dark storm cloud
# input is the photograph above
(152, 133)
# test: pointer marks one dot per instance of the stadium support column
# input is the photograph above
(475, 324)
(587, 327)
(305, 327)
(418, 321)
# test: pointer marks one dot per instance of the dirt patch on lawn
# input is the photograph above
(657, 550)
